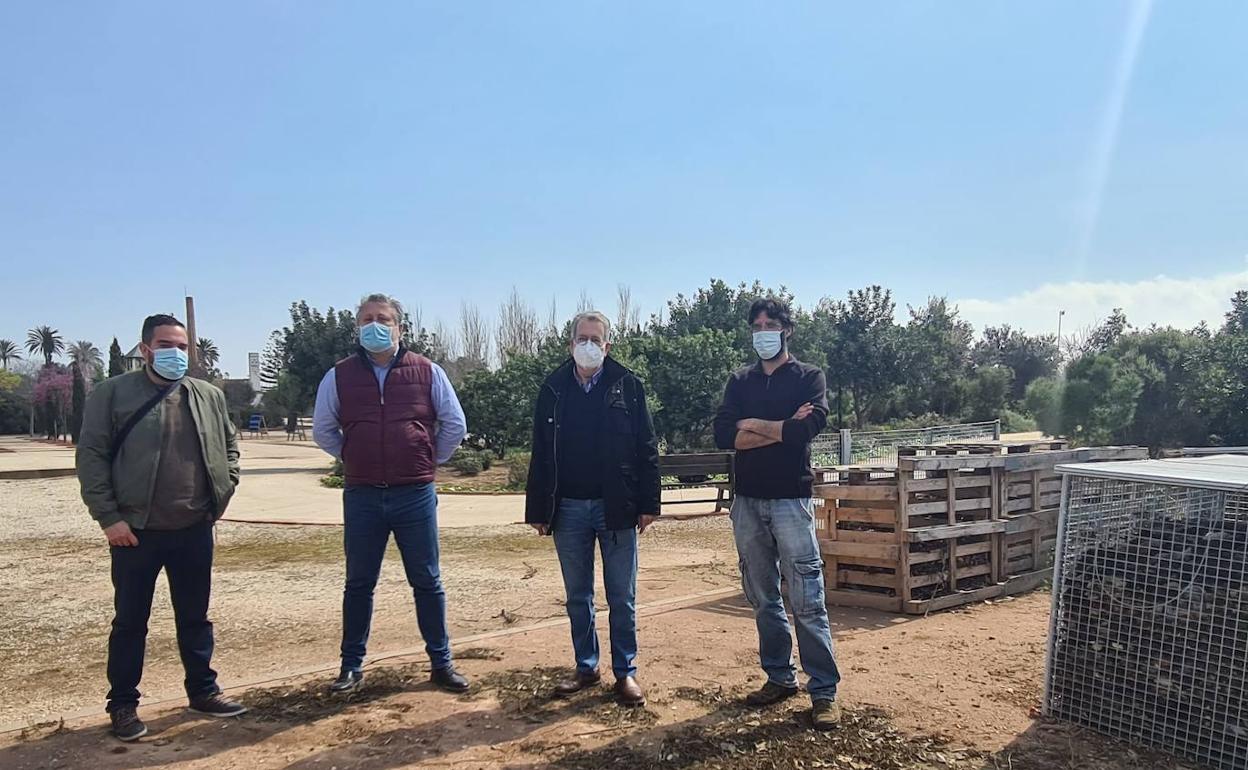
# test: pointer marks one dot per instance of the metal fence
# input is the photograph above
(1149, 637)
(879, 447)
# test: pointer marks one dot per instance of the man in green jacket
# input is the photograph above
(158, 464)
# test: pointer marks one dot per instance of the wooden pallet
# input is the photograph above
(946, 527)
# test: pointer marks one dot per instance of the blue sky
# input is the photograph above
(263, 152)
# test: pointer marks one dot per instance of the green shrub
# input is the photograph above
(486, 457)
(518, 469)
(1016, 422)
(468, 464)
(333, 482)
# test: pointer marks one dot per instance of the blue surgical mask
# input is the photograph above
(375, 337)
(170, 363)
(768, 344)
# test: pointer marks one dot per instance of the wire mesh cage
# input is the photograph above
(1149, 638)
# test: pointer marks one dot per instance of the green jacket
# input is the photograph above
(120, 488)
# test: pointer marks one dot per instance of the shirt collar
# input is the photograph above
(588, 386)
(758, 366)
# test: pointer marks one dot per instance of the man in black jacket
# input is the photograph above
(594, 477)
(770, 413)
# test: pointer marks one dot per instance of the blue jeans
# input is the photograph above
(370, 514)
(774, 537)
(581, 524)
(186, 557)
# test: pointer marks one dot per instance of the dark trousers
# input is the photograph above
(186, 557)
(370, 515)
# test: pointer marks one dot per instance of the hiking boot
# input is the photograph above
(126, 724)
(825, 714)
(581, 680)
(770, 694)
(216, 706)
(628, 692)
(449, 679)
(347, 681)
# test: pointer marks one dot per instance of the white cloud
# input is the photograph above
(1178, 302)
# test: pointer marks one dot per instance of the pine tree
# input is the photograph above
(116, 364)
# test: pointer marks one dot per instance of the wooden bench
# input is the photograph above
(694, 471)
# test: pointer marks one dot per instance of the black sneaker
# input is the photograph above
(449, 679)
(347, 681)
(769, 695)
(126, 724)
(216, 706)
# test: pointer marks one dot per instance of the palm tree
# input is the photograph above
(208, 353)
(88, 357)
(9, 351)
(45, 340)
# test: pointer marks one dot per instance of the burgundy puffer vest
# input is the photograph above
(387, 440)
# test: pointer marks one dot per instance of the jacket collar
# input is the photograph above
(368, 359)
(757, 368)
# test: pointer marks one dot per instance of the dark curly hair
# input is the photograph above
(774, 308)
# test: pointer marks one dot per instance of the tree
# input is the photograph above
(1237, 318)
(474, 337)
(53, 396)
(685, 377)
(1100, 397)
(1044, 402)
(9, 352)
(300, 354)
(239, 398)
(498, 405)
(518, 332)
(723, 308)
(14, 402)
(934, 355)
(1028, 357)
(627, 313)
(209, 356)
(987, 391)
(116, 362)
(46, 341)
(864, 357)
(78, 400)
(88, 358)
(1103, 337)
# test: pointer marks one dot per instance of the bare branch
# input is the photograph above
(518, 332)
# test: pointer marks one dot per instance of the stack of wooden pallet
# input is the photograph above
(948, 525)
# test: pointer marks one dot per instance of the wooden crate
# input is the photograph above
(947, 526)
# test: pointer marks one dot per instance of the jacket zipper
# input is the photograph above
(381, 392)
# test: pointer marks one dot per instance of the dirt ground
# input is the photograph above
(953, 690)
(277, 595)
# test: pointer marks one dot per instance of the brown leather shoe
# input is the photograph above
(579, 681)
(629, 692)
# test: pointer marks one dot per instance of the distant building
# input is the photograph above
(253, 372)
(133, 361)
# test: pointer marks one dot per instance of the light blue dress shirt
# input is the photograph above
(450, 426)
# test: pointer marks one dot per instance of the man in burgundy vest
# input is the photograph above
(392, 417)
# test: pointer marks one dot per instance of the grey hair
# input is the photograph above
(592, 315)
(381, 299)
